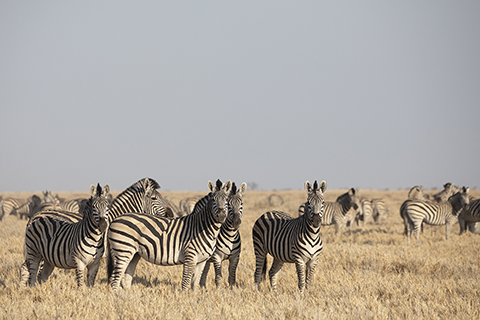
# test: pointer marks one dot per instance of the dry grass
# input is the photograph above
(363, 273)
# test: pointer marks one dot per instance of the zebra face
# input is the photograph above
(315, 202)
(235, 204)
(98, 205)
(220, 196)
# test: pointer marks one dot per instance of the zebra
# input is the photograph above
(364, 212)
(142, 196)
(188, 204)
(20, 207)
(469, 216)
(275, 200)
(335, 212)
(449, 189)
(175, 211)
(67, 245)
(189, 240)
(435, 214)
(291, 240)
(380, 210)
(228, 240)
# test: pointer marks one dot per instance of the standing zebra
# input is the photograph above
(380, 210)
(20, 207)
(67, 245)
(449, 189)
(228, 240)
(335, 212)
(189, 240)
(435, 214)
(291, 240)
(469, 215)
(364, 212)
(142, 196)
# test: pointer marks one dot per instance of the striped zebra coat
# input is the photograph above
(335, 212)
(19, 207)
(418, 212)
(364, 212)
(67, 245)
(469, 216)
(189, 240)
(228, 240)
(290, 240)
(142, 196)
(380, 211)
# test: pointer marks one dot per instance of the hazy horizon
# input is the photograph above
(372, 94)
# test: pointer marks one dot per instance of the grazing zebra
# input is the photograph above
(449, 189)
(435, 214)
(20, 207)
(336, 212)
(228, 240)
(291, 240)
(469, 215)
(380, 210)
(187, 204)
(364, 212)
(142, 196)
(189, 240)
(67, 245)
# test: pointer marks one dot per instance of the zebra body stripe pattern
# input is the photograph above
(63, 244)
(228, 240)
(290, 240)
(380, 210)
(189, 240)
(364, 212)
(469, 215)
(334, 213)
(20, 207)
(435, 214)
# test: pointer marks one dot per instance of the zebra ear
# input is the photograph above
(227, 185)
(211, 186)
(308, 186)
(242, 189)
(465, 190)
(323, 186)
(92, 190)
(106, 190)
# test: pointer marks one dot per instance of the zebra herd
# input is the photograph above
(141, 223)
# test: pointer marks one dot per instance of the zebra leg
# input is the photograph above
(33, 263)
(80, 273)
(197, 274)
(300, 266)
(92, 271)
(24, 273)
(416, 230)
(217, 264)
(119, 264)
(203, 279)
(45, 272)
(409, 234)
(189, 266)
(127, 278)
(463, 225)
(273, 273)
(260, 267)
(310, 271)
(232, 269)
(448, 228)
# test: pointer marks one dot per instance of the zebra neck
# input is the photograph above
(128, 201)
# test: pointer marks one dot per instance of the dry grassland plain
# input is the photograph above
(364, 273)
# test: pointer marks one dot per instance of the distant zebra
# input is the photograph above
(189, 240)
(291, 240)
(69, 245)
(435, 214)
(469, 216)
(142, 196)
(364, 212)
(275, 200)
(228, 240)
(49, 197)
(380, 210)
(187, 204)
(415, 193)
(449, 189)
(335, 212)
(20, 207)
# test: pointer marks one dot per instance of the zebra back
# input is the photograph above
(380, 210)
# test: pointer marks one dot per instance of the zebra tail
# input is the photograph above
(109, 263)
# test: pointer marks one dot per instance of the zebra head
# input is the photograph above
(153, 202)
(219, 200)
(350, 199)
(235, 204)
(315, 202)
(460, 200)
(98, 205)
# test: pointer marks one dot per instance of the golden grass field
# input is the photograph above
(364, 273)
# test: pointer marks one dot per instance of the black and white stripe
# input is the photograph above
(228, 240)
(364, 212)
(380, 210)
(290, 240)
(63, 244)
(469, 216)
(335, 212)
(418, 212)
(19, 207)
(189, 240)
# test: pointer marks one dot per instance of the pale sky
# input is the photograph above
(365, 94)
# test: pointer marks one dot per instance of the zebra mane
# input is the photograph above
(99, 190)
(234, 189)
(219, 184)
(315, 186)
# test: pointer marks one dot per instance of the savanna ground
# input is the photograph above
(364, 273)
